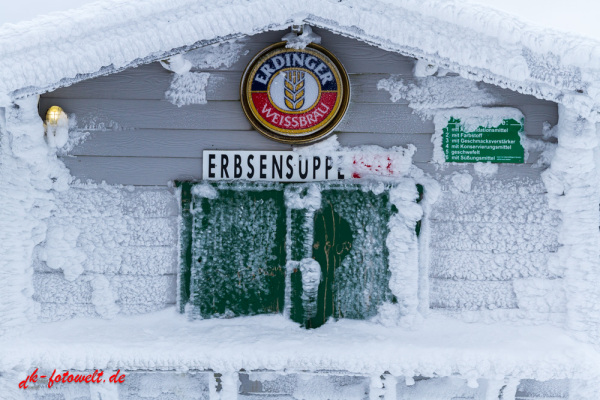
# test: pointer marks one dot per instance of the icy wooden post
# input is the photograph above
(492, 389)
(29, 175)
(225, 387)
(572, 184)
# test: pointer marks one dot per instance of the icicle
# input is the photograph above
(229, 386)
(389, 387)
(311, 277)
(212, 387)
(490, 389)
(376, 388)
(290, 266)
(509, 391)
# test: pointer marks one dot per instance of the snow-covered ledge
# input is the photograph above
(441, 346)
(573, 188)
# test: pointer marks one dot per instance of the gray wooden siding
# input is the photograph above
(129, 236)
(488, 242)
(159, 142)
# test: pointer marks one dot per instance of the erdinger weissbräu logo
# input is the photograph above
(294, 96)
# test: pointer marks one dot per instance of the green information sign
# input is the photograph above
(500, 144)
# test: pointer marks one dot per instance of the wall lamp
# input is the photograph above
(56, 127)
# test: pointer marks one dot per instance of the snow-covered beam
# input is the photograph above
(573, 188)
(29, 174)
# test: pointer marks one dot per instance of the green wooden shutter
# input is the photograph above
(350, 231)
(238, 241)
(238, 251)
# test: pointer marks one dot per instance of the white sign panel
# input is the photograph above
(302, 166)
(280, 166)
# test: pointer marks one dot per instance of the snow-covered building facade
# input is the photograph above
(452, 278)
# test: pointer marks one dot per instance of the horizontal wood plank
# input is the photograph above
(471, 295)
(191, 143)
(114, 202)
(159, 171)
(54, 288)
(151, 81)
(228, 115)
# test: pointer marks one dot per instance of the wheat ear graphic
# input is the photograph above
(294, 89)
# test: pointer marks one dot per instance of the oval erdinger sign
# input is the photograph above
(295, 96)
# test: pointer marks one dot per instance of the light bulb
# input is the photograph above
(53, 115)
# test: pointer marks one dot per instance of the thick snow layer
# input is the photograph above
(106, 248)
(493, 249)
(28, 9)
(220, 55)
(477, 42)
(30, 177)
(167, 340)
(576, 16)
(485, 169)
(573, 184)
(403, 250)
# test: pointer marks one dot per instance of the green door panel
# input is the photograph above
(185, 239)
(238, 247)
(349, 243)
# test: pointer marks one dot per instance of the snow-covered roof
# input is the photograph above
(476, 41)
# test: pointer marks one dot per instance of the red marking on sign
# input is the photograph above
(305, 120)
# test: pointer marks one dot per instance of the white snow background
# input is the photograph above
(579, 17)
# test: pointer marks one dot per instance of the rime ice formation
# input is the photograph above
(403, 249)
(188, 88)
(219, 55)
(177, 64)
(486, 169)
(426, 96)
(573, 184)
(58, 135)
(311, 277)
(60, 251)
(295, 41)
(117, 245)
(423, 69)
(30, 177)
